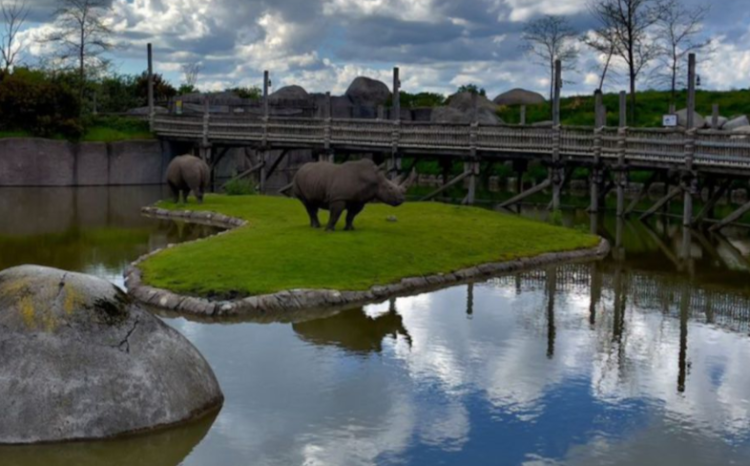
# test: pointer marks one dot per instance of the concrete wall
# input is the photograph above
(47, 162)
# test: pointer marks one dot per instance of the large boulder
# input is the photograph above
(682, 117)
(464, 101)
(519, 97)
(289, 93)
(721, 121)
(737, 122)
(81, 361)
(368, 92)
(454, 115)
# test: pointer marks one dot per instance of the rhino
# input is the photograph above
(187, 173)
(348, 186)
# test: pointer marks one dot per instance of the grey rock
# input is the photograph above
(682, 115)
(289, 93)
(81, 361)
(454, 115)
(721, 121)
(368, 92)
(464, 101)
(736, 122)
(519, 97)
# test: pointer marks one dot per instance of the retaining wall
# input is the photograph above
(48, 162)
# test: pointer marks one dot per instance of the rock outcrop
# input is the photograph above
(737, 122)
(81, 361)
(682, 117)
(519, 97)
(460, 109)
(368, 92)
(289, 93)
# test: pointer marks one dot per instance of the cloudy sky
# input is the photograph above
(323, 44)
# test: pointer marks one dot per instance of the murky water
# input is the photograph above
(639, 359)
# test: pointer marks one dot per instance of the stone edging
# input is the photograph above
(294, 300)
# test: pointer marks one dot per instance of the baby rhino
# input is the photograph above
(349, 186)
(187, 173)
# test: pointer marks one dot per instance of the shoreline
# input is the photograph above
(299, 299)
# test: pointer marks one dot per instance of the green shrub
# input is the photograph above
(239, 187)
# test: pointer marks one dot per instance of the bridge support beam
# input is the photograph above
(660, 203)
(708, 208)
(529, 192)
(447, 185)
(641, 194)
(731, 218)
(472, 168)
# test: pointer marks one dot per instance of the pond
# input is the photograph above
(637, 359)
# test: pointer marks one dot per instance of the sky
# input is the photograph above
(324, 44)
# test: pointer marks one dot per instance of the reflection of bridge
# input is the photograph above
(672, 295)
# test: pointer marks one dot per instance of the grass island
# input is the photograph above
(276, 250)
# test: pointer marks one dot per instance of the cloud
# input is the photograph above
(439, 44)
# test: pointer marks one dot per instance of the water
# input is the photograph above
(639, 359)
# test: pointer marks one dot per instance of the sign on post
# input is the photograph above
(669, 121)
(178, 107)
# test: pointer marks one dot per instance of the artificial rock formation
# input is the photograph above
(81, 361)
(368, 92)
(519, 97)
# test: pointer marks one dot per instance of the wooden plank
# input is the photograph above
(529, 192)
(245, 173)
(450, 184)
(731, 218)
(660, 203)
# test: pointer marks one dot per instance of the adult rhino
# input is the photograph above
(348, 186)
(187, 173)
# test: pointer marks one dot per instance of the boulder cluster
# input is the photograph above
(737, 124)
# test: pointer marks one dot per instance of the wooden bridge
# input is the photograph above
(688, 159)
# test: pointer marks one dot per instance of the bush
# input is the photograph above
(40, 103)
(239, 187)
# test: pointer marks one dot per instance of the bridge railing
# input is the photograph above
(673, 146)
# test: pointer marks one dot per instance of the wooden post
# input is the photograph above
(715, 117)
(622, 173)
(523, 115)
(558, 85)
(687, 213)
(473, 165)
(206, 122)
(691, 92)
(396, 94)
(555, 172)
(328, 121)
(595, 177)
(381, 112)
(266, 83)
(151, 111)
(598, 117)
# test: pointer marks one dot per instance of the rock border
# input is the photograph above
(299, 299)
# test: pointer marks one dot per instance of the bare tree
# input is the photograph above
(551, 38)
(678, 30)
(624, 26)
(14, 15)
(190, 72)
(601, 42)
(82, 35)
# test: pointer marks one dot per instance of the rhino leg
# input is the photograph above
(336, 209)
(185, 194)
(352, 210)
(175, 192)
(199, 195)
(312, 211)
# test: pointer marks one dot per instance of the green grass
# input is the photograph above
(14, 134)
(104, 134)
(278, 251)
(579, 110)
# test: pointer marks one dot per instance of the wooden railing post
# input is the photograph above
(688, 177)
(328, 123)
(622, 141)
(396, 94)
(472, 166)
(715, 117)
(206, 122)
(522, 121)
(151, 110)
(556, 174)
(595, 177)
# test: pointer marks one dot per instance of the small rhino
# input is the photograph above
(348, 186)
(187, 173)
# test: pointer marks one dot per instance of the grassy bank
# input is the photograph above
(278, 250)
(98, 129)
(652, 105)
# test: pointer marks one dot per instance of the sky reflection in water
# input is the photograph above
(639, 359)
